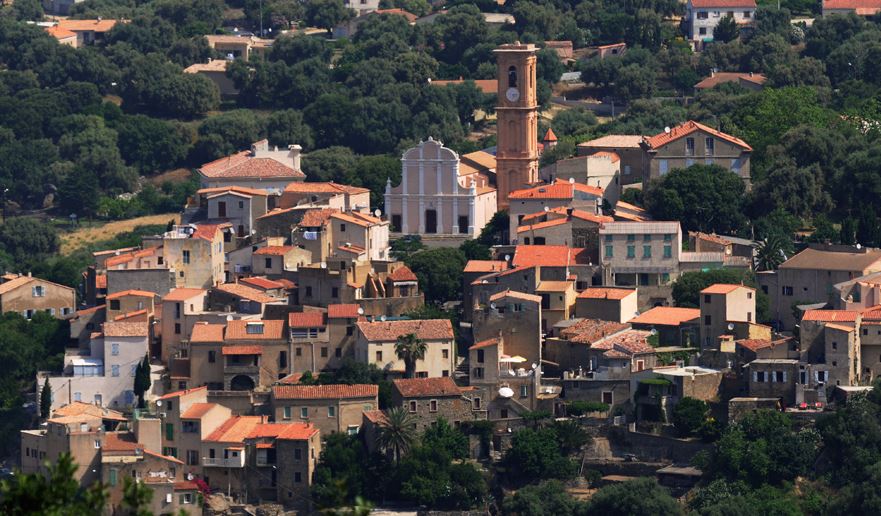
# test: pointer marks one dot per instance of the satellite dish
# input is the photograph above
(323, 265)
(506, 392)
(158, 403)
(667, 129)
(360, 311)
(507, 257)
(534, 365)
(189, 476)
(654, 331)
(382, 318)
(730, 326)
(492, 305)
(377, 213)
(572, 180)
(547, 209)
(859, 246)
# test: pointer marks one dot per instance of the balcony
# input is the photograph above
(230, 462)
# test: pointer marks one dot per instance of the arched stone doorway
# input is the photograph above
(241, 383)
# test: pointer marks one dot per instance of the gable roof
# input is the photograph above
(861, 7)
(834, 261)
(323, 187)
(246, 292)
(489, 86)
(425, 329)
(182, 294)
(244, 165)
(126, 329)
(204, 332)
(343, 311)
(184, 392)
(317, 217)
(197, 410)
(723, 288)
(722, 77)
(606, 293)
(274, 250)
(621, 141)
(690, 127)
(78, 408)
(402, 273)
(560, 189)
(238, 330)
(830, 315)
(486, 266)
(588, 331)
(516, 295)
(232, 188)
(13, 284)
(133, 293)
(324, 392)
(234, 429)
(423, 387)
(261, 282)
(667, 316)
(485, 343)
(313, 319)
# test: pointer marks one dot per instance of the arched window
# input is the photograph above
(512, 76)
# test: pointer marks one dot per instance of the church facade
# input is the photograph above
(437, 195)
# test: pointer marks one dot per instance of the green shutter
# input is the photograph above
(169, 431)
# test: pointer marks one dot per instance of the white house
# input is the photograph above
(704, 15)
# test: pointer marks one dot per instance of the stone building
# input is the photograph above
(375, 344)
(429, 399)
(27, 295)
(331, 408)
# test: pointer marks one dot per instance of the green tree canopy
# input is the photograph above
(705, 198)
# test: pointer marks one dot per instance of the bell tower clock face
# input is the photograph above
(513, 94)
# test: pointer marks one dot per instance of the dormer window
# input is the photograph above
(254, 328)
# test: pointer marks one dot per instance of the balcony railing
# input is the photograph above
(231, 462)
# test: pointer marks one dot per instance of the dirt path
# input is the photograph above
(86, 235)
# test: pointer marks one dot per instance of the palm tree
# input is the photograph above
(410, 348)
(397, 432)
(771, 252)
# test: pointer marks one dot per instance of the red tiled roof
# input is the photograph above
(133, 293)
(343, 311)
(291, 379)
(246, 292)
(425, 329)
(570, 212)
(323, 187)
(402, 273)
(516, 295)
(377, 417)
(78, 408)
(830, 315)
(182, 294)
(723, 77)
(324, 392)
(237, 189)
(88, 311)
(242, 350)
(242, 164)
(606, 293)
(93, 25)
(542, 225)
(234, 429)
(238, 330)
(630, 342)
(186, 485)
(667, 316)
(164, 457)
(197, 410)
(126, 329)
(100, 281)
(422, 387)
(317, 217)
(120, 442)
(549, 136)
(204, 332)
(588, 331)
(861, 7)
(183, 392)
(683, 130)
(488, 343)
(314, 319)
(297, 431)
(549, 256)
(261, 283)
(757, 344)
(558, 190)
(130, 315)
(410, 17)
(356, 218)
(723, 288)
(485, 266)
(275, 250)
(209, 231)
(613, 156)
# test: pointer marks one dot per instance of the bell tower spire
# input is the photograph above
(517, 112)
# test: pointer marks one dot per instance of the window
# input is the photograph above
(77, 396)
(710, 148)
(445, 373)
(286, 413)
(298, 477)
(646, 238)
(177, 328)
(267, 263)
(759, 377)
(631, 238)
(298, 454)
(524, 391)
(609, 251)
(114, 370)
(626, 170)
(186, 498)
(708, 298)
(503, 414)
(38, 291)
(114, 349)
(477, 372)
(703, 15)
(787, 291)
(113, 474)
(608, 238)
(689, 146)
(186, 257)
(379, 356)
(331, 411)
(192, 458)
(343, 228)
(631, 251)
(834, 345)
(335, 292)
(707, 320)
(412, 406)
(749, 317)
(463, 224)
(304, 413)
(396, 224)
(702, 31)
(480, 353)
(169, 430)
(299, 352)
(668, 251)
(97, 444)
(432, 406)
(212, 357)
(338, 352)
(608, 397)
(476, 403)
(663, 167)
(324, 352)
(747, 14)
(282, 359)
(114, 304)
(749, 295)
(445, 353)
(646, 251)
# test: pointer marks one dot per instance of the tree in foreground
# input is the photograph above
(142, 380)
(689, 416)
(57, 493)
(640, 496)
(549, 498)
(726, 30)
(46, 400)
(396, 433)
(536, 454)
(410, 349)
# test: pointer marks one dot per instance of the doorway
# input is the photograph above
(431, 221)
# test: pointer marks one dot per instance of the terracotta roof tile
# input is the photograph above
(835, 261)
(262, 283)
(549, 256)
(94, 25)
(723, 288)
(186, 485)
(244, 330)
(100, 281)
(402, 273)
(242, 350)
(621, 141)
(317, 217)
(78, 408)
(236, 189)
(126, 329)
(13, 284)
(830, 315)
(422, 387)
(291, 379)
(515, 295)
(204, 332)
(163, 457)
(425, 329)
(324, 392)
(687, 128)
(197, 410)
(275, 250)
(558, 190)
(120, 442)
(184, 392)
(606, 293)
(722, 77)
(246, 292)
(297, 432)
(490, 86)
(613, 156)
(757, 344)
(183, 294)
(667, 316)
(132, 315)
(377, 417)
(356, 218)
(488, 343)
(554, 286)
(343, 311)
(242, 164)
(234, 429)
(630, 341)
(588, 331)
(60, 33)
(209, 231)
(320, 187)
(549, 136)
(312, 319)
(860, 7)
(486, 266)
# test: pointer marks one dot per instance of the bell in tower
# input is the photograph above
(517, 120)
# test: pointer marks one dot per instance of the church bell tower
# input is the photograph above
(517, 120)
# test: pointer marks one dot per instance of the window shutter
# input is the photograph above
(784, 376)
(755, 376)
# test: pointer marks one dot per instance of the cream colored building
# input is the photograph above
(560, 194)
(438, 196)
(239, 47)
(375, 344)
(722, 305)
(236, 205)
(27, 295)
(260, 167)
(601, 169)
(196, 253)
